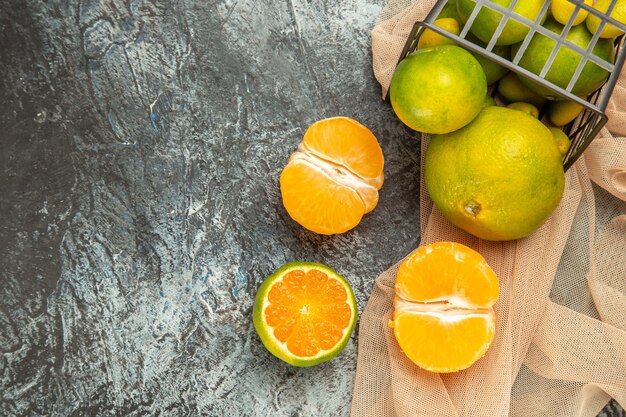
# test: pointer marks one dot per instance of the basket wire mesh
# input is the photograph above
(593, 117)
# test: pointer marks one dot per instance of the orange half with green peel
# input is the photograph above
(304, 313)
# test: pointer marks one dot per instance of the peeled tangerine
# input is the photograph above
(443, 318)
(334, 177)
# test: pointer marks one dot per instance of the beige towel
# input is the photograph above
(560, 346)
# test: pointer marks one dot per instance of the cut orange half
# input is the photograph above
(443, 317)
(305, 313)
(334, 177)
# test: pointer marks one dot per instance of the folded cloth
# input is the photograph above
(560, 344)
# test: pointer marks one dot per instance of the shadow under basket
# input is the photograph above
(593, 117)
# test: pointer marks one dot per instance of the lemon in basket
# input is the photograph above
(487, 20)
(431, 38)
(525, 107)
(561, 139)
(449, 10)
(563, 112)
(512, 89)
(618, 13)
(438, 90)
(498, 178)
(566, 61)
(493, 70)
(562, 11)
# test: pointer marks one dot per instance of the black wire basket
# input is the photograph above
(593, 117)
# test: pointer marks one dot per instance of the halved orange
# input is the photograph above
(334, 177)
(304, 313)
(443, 317)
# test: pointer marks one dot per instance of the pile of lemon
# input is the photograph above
(495, 171)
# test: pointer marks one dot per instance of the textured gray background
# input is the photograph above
(139, 206)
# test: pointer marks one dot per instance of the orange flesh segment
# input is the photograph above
(348, 143)
(340, 175)
(443, 317)
(308, 311)
(444, 346)
(447, 272)
(317, 202)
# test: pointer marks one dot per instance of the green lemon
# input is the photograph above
(513, 90)
(562, 10)
(430, 38)
(493, 70)
(565, 62)
(488, 19)
(618, 13)
(498, 178)
(449, 10)
(563, 112)
(489, 101)
(526, 108)
(561, 139)
(438, 90)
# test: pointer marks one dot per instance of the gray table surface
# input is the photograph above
(140, 152)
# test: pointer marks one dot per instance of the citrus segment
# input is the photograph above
(304, 313)
(446, 271)
(443, 345)
(334, 177)
(348, 143)
(316, 201)
(443, 318)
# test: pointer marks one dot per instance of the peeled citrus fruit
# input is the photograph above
(334, 177)
(488, 19)
(498, 178)
(618, 13)
(304, 313)
(438, 90)
(443, 318)
(565, 62)
(562, 11)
